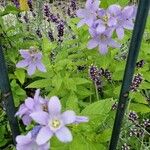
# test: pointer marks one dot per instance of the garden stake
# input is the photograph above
(138, 31)
(7, 97)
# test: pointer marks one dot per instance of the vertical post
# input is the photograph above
(7, 97)
(138, 31)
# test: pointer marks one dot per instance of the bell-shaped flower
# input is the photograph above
(54, 122)
(31, 105)
(32, 61)
(89, 14)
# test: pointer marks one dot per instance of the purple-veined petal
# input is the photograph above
(24, 53)
(54, 105)
(112, 21)
(22, 64)
(103, 49)
(41, 67)
(128, 11)
(92, 44)
(64, 135)
(68, 117)
(89, 21)
(100, 28)
(44, 135)
(40, 117)
(31, 69)
(120, 33)
(29, 102)
(128, 24)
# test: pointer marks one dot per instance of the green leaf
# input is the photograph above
(80, 81)
(43, 83)
(57, 81)
(145, 85)
(140, 108)
(72, 102)
(20, 75)
(98, 111)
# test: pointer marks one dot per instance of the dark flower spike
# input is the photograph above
(133, 116)
(140, 64)
(125, 147)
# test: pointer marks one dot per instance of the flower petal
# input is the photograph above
(80, 119)
(81, 23)
(37, 95)
(68, 117)
(92, 44)
(31, 69)
(40, 117)
(23, 139)
(24, 53)
(120, 33)
(29, 102)
(103, 48)
(26, 119)
(81, 13)
(54, 105)
(41, 67)
(22, 64)
(44, 135)
(64, 135)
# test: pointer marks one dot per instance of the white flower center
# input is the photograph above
(55, 123)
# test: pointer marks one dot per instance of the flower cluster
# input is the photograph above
(104, 22)
(32, 61)
(16, 3)
(136, 131)
(137, 80)
(49, 122)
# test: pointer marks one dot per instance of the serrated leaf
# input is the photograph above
(140, 108)
(20, 75)
(43, 83)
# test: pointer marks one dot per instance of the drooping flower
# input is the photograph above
(54, 123)
(31, 105)
(28, 142)
(32, 60)
(103, 41)
(89, 14)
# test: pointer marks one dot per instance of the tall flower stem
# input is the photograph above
(134, 48)
(7, 97)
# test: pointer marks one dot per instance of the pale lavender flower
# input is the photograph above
(31, 105)
(103, 41)
(28, 142)
(89, 14)
(53, 122)
(32, 60)
(122, 19)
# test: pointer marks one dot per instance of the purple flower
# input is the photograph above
(31, 105)
(103, 41)
(54, 123)
(89, 14)
(28, 142)
(32, 60)
(121, 19)
(81, 119)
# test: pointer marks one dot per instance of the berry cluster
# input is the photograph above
(146, 123)
(133, 116)
(107, 75)
(136, 82)
(125, 147)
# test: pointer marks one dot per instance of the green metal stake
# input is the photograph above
(7, 97)
(134, 48)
